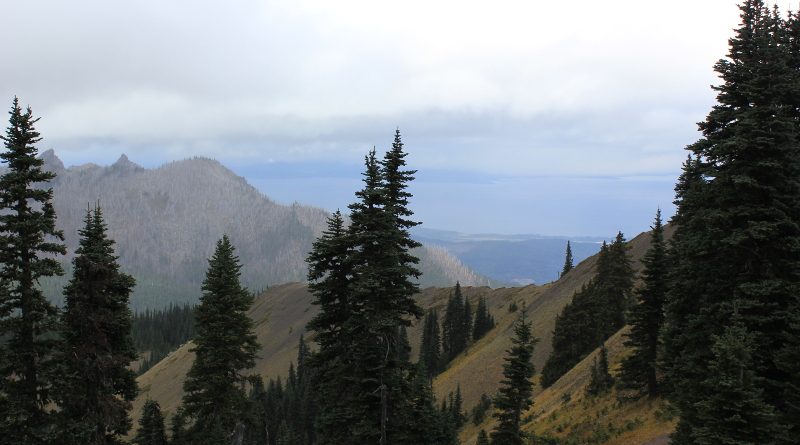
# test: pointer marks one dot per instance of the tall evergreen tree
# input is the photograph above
(567, 261)
(97, 385)
(29, 245)
(738, 227)
(368, 269)
(214, 399)
(329, 275)
(736, 412)
(430, 346)
(483, 320)
(483, 439)
(596, 312)
(516, 389)
(639, 370)
(151, 426)
(601, 379)
(454, 338)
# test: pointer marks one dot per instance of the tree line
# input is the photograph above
(715, 325)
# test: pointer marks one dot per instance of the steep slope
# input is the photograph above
(282, 312)
(166, 221)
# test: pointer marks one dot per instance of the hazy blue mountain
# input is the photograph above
(167, 220)
(513, 259)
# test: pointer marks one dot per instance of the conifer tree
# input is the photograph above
(567, 261)
(466, 329)
(29, 246)
(367, 269)
(403, 347)
(735, 412)
(214, 400)
(454, 337)
(483, 439)
(329, 276)
(483, 322)
(646, 317)
(151, 426)
(596, 312)
(97, 385)
(738, 225)
(601, 380)
(516, 388)
(430, 347)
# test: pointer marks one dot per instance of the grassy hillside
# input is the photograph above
(282, 312)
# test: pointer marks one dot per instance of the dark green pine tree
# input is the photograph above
(430, 346)
(601, 379)
(329, 276)
(484, 322)
(466, 329)
(738, 228)
(483, 439)
(151, 426)
(516, 389)
(639, 370)
(567, 261)
(614, 291)
(97, 385)
(736, 412)
(454, 338)
(596, 312)
(363, 279)
(214, 400)
(29, 246)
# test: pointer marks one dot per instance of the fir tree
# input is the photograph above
(736, 412)
(403, 347)
(29, 245)
(738, 227)
(151, 425)
(214, 399)
(363, 279)
(430, 347)
(639, 369)
(454, 337)
(601, 380)
(567, 261)
(596, 312)
(483, 320)
(483, 439)
(97, 385)
(516, 388)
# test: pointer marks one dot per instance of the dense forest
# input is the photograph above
(711, 319)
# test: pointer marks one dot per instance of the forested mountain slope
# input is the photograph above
(281, 313)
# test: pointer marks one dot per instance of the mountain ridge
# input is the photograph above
(165, 221)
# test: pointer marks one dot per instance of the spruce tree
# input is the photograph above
(430, 346)
(601, 379)
(329, 276)
(368, 270)
(483, 439)
(567, 261)
(639, 370)
(29, 246)
(214, 400)
(483, 321)
(735, 413)
(97, 385)
(516, 389)
(151, 426)
(454, 337)
(738, 227)
(596, 312)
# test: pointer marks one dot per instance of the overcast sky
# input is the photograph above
(521, 116)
